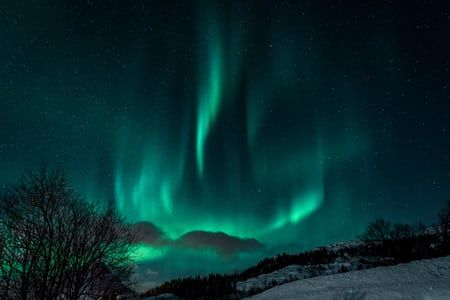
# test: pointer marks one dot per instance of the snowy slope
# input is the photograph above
(424, 279)
(292, 273)
(343, 263)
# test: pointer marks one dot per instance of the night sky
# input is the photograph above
(232, 130)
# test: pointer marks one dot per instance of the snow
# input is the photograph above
(292, 273)
(343, 263)
(424, 279)
(165, 296)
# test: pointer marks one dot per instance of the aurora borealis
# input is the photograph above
(232, 130)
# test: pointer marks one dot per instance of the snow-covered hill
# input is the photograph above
(343, 263)
(424, 279)
(292, 273)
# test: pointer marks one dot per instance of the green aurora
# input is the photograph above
(286, 160)
(287, 123)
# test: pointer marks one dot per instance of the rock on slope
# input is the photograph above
(424, 279)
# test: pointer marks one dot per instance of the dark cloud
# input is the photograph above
(150, 234)
(223, 244)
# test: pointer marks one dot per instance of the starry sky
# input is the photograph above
(227, 131)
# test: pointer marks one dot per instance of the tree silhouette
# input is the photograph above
(444, 224)
(379, 229)
(56, 244)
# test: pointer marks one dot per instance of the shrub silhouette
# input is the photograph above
(401, 232)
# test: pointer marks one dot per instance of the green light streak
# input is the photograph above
(209, 102)
(166, 197)
(145, 253)
(147, 179)
(302, 206)
(305, 205)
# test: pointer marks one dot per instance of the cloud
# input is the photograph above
(222, 243)
(150, 234)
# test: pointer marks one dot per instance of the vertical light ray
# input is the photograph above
(209, 101)
(210, 75)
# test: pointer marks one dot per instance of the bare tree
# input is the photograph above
(56, 244)
(379, 229)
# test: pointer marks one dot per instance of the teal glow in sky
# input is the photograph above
(210, 93)
(233, 129)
